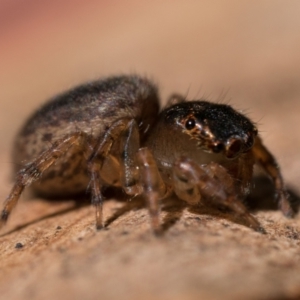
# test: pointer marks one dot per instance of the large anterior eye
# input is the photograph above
(190, 124)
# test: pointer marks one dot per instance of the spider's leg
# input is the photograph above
(96, 162)
(213, 183)
(175, 99)
(34, 170)
(154, 189)
(268, 162)
(129, 145)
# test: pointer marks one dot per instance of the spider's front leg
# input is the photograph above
(154, 188)
(268, 162)
(213, 183)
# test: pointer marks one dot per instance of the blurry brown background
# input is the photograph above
(242, 52)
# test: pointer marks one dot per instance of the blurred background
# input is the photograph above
(242, 52)
(245, 53)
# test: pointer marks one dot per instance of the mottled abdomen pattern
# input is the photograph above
(90, 108)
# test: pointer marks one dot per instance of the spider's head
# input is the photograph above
(217, 128)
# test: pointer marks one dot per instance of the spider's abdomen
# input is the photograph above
(90, 108)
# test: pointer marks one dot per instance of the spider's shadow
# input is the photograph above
(77, 204)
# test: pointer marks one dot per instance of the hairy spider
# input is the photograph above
(110, 133)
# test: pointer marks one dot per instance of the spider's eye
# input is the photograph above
(190, 124)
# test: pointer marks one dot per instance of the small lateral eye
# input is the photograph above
(190, 124)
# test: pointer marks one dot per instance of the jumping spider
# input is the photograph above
(111, 133)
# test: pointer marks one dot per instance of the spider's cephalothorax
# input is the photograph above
(216, 127)
(110, 132)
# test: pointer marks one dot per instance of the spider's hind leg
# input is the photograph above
(34, 170)
(175, 99)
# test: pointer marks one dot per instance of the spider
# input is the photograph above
(110, 133)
